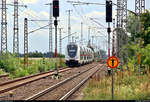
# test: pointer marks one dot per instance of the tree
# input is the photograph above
(35, 54)
(145, 34)
(145, 25)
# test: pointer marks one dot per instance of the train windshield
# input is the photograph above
(72, 50)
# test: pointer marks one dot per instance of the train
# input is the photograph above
(77, 55)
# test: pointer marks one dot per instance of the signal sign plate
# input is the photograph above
(112, 62)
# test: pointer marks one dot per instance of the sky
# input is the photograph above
(37, 10)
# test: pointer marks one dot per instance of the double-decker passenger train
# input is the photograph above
(77, 55)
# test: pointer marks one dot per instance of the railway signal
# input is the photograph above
(56, 14)
(112, 63)
(55, 8)
(108, 11)
(109, 20)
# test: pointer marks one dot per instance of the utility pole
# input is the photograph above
(26, 33)
(81, 32)
(118, 26)
(69, 26)
(119, 35)
(139, 9)
(143, 6)
(50, 30)
(60, 46)
(142, 10)
(16, 30)
(25, 42)
(4, 29)
(124, 26)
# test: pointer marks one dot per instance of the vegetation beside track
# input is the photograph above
(16, 69)
(127, 86)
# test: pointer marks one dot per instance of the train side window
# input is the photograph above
(88, 54)
(85, 55)
(81, 53)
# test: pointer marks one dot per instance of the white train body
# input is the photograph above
(78, 55)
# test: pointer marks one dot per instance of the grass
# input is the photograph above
(2, 72)
(16, 68)
(127, 86)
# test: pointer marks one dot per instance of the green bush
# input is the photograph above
(32, 70)
(21, 72)
(15, 67)
(2, 72)
(9, 64)
(41, 68)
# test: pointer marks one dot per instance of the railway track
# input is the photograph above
(64, 89)
(12, 84)
(4, 75)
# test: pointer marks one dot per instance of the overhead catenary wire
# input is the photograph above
(83, 18)
(98, 23)
(38, 28)
(31, 17)
(84, 3)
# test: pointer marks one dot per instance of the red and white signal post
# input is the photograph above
(56, 14)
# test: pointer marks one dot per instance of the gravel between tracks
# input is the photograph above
(4, 79)
(78, 95)
(63, 89)
(27, 90)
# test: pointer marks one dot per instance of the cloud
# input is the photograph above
(45, 14)
(30, 14)
(29, 1)
(9, 1)
(75, 18)
(95, 14)
(24, 1)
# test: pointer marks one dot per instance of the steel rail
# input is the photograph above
(4, 75)
(41, 93)
(7, 86)
(26, 77)
(67, 95)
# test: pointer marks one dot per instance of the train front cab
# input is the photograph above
(71, 55)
